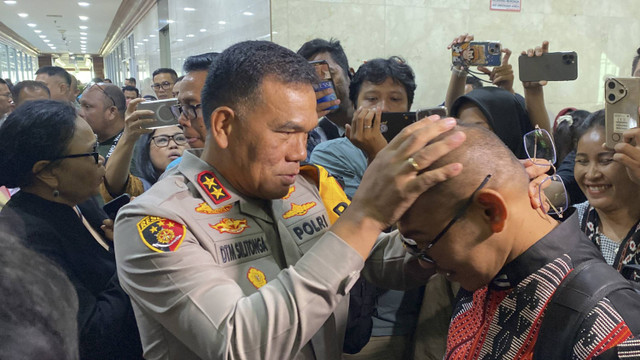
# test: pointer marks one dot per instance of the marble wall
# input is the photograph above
(605, 34)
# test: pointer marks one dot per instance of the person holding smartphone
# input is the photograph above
(379, 85)
(331, 123)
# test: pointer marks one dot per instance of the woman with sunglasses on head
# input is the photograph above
(153, 149)
(50, 153)
(609, 179)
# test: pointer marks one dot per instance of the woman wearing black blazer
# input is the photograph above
(50, 153)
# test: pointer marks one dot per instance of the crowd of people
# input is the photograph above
(272, 221)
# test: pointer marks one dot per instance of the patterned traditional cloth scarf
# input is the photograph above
(628, 252)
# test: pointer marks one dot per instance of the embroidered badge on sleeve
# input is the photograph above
(160, 234)
(212, 186)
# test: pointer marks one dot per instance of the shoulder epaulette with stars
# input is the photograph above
(212, 186)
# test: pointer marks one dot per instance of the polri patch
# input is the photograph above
(160, 234)
(231, 226)
(256, 277)
(212, 186)
(298, 210)
(204, 208)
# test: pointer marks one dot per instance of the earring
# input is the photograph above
(56, 193)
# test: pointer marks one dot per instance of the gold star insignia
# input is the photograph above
(170, 224)
(153, 229)
(160, 223)
(210, 183)
(217, 193)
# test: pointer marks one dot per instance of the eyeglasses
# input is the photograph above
(95, 154)
(163, 140)
(412, 246)
(7, 95)
(188, 110)
(541, 150)
(165, 85)
(92, 84)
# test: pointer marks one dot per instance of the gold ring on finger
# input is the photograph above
(414, 164)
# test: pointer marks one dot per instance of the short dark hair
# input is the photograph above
(28, 84)
(595, 119)
(2, 81)
(55, 71)
(131, 88)
(180, 78)
(236, 75)
(378, 70)
(132, 79)
(173, 73)
(474, 82)
(200, 62)
(39, 305)
(37, 130)
(316, 46)
(636, 59)
(97, 80)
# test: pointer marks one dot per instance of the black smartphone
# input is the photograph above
(438, 110)
(392, 123)
(557, 66)
(325, 82)
(112, 207)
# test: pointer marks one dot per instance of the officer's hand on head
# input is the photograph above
(395, 179)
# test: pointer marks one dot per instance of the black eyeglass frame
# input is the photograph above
(190, 112)
(164, 85)
(169, 138)
(411, 245)
(95, 154)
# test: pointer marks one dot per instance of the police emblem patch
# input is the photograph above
(231, 226)
(204, 208)
(212, 186)
(256, 277)
(298, 210)
(160, 234)
(291, 190)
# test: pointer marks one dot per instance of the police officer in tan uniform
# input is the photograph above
(238, 253)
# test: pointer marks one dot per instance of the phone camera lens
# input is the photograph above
(611, 85)
(612, 97)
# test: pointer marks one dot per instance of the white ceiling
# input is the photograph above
(58, 19)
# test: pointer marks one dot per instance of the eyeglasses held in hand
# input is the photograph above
(163, 140)
(412, 246)
(541, 150)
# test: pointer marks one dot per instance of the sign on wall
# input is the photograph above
(505, 5)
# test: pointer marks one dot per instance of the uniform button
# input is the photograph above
(348, 282)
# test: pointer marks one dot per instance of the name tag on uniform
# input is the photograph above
(241, 249)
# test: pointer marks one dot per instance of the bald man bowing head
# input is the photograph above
(508, 257)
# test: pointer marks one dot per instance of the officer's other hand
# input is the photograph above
(396, 177)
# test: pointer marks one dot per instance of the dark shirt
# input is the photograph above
(500, 321)
(105, 317)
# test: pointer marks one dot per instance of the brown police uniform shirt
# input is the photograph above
(214, 275)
